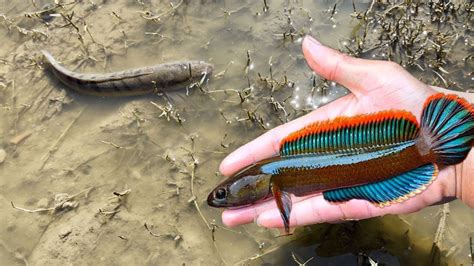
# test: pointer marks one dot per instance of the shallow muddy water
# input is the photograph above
(124, 180)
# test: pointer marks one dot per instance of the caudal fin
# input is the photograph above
(447, 128)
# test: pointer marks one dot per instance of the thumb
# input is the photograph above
(350, 72)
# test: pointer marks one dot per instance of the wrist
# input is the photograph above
(464, 174)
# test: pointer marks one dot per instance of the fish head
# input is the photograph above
(200, 69)
(246, 187)
(180, 74)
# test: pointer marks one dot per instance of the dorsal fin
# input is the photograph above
(348, 133)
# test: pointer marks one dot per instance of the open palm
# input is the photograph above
(375, 86)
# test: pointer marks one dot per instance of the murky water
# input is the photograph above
(127, 162)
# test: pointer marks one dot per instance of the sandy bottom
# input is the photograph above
(123, 180)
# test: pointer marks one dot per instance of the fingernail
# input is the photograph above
(312, 40)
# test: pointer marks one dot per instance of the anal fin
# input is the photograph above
(283, 201)
(392, 190)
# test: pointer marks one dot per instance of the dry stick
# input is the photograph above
(54, 147)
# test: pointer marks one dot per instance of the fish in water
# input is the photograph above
(384, 157)
(140, 81)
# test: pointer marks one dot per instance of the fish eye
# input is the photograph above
(221, 193)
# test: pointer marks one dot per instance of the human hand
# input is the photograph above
(375, 86)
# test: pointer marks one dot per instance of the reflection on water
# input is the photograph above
(96, 149)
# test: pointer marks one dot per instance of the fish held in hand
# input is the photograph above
(384, 157)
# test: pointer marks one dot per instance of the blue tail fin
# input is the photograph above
(447, 128)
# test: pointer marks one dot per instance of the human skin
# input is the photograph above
(375, 86)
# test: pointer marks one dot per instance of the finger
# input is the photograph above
(268, 144)
(233, 217)
(317, 210)
(353, 73)
(358, 75)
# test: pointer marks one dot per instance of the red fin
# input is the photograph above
(344, 127)
(453, 97)
(283, 201)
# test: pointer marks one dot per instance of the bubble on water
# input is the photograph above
(309, 99)
(324, 99)
(333, 84)
(334, 26)
(296, 97)
(299, 40)
(297, 88)
(251, 66)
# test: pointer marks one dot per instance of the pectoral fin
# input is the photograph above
(283, 201)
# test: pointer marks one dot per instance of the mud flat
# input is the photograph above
(88, 179)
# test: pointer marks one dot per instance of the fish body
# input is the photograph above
(385, 157)
(308, 173)
(139, 81)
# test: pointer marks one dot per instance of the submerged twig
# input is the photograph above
(62, 201)
(173, 8)
(258, 256)
(298, 260)
(54, 147)
(440, 233)
(173, 235)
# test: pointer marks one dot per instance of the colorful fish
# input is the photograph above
(384, 157)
